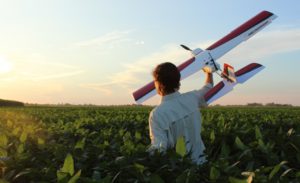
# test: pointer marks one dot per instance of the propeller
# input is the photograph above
(185, 47)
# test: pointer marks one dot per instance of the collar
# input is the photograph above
(170, 96)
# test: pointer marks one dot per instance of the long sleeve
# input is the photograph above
(200, 94)
(158, 135)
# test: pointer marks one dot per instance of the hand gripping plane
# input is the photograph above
(206, 59)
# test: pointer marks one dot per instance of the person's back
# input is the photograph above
(178, 114)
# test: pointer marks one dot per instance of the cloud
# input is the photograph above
(109, 40)
(265, 44)
(138, 73)
(38, 68)
(56, 76)
(103, 88)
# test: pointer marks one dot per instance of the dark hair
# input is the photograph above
(168, 77)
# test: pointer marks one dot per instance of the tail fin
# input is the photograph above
(225, 86)
(228, 73)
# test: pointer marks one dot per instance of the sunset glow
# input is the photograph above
(5, 66)
(100, 52)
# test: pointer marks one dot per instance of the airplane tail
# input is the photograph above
(226, 85)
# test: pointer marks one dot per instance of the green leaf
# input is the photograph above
(154, 178)
(16, 131)
(9, 123)
(107, 179)
(80, 144)
(138, 135)
(280, 130)
(258, 134)
(180, 146)
(62, 176)
(139, 167)
(23, 137)
(262, 146)
(235, 180)
(106, 143)
(240, 144)
(182, 178)
(20, 148)
(298, 174)
(276, 169)
(3, 152)
(225, 150)
(212, 136)
(214, 173)
(68, 165)
(96, 175)
(3, 181)
(75, 177)
(40, 141)
(3, 140)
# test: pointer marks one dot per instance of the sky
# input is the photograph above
(99, 52)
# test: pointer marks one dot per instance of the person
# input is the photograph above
(178, 114)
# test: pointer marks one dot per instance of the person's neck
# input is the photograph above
(169, 93)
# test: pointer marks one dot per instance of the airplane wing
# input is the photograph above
(240, 34)
(224, 87)
(186, 69)
(213, 52)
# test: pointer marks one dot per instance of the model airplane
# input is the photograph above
(206, 59)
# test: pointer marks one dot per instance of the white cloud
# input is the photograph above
(38, 68)
(139, 42)
(265, 44)
(56, 76)
(103, 88)
(138, 73)
(109, 40)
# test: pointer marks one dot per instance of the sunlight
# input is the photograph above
(5, 66)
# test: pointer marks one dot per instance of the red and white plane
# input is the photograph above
(207, 59)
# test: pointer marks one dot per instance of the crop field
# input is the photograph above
(108, 144)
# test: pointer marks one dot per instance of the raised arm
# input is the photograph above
(209, 82)
(209, 78)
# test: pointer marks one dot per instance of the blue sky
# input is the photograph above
(99, 52)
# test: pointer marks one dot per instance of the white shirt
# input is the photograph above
(179, 115)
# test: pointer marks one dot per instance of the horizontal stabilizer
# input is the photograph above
(247, 72)
(225, 86)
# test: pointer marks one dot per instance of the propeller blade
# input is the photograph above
(185, 47)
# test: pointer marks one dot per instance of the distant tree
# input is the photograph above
(254, 104)
(10, 103)
(272, 104)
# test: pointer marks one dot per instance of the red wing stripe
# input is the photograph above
(143, 91)
(213, 91)
(247, 68)
(150, 86)
(185, 64)
(241, 29)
